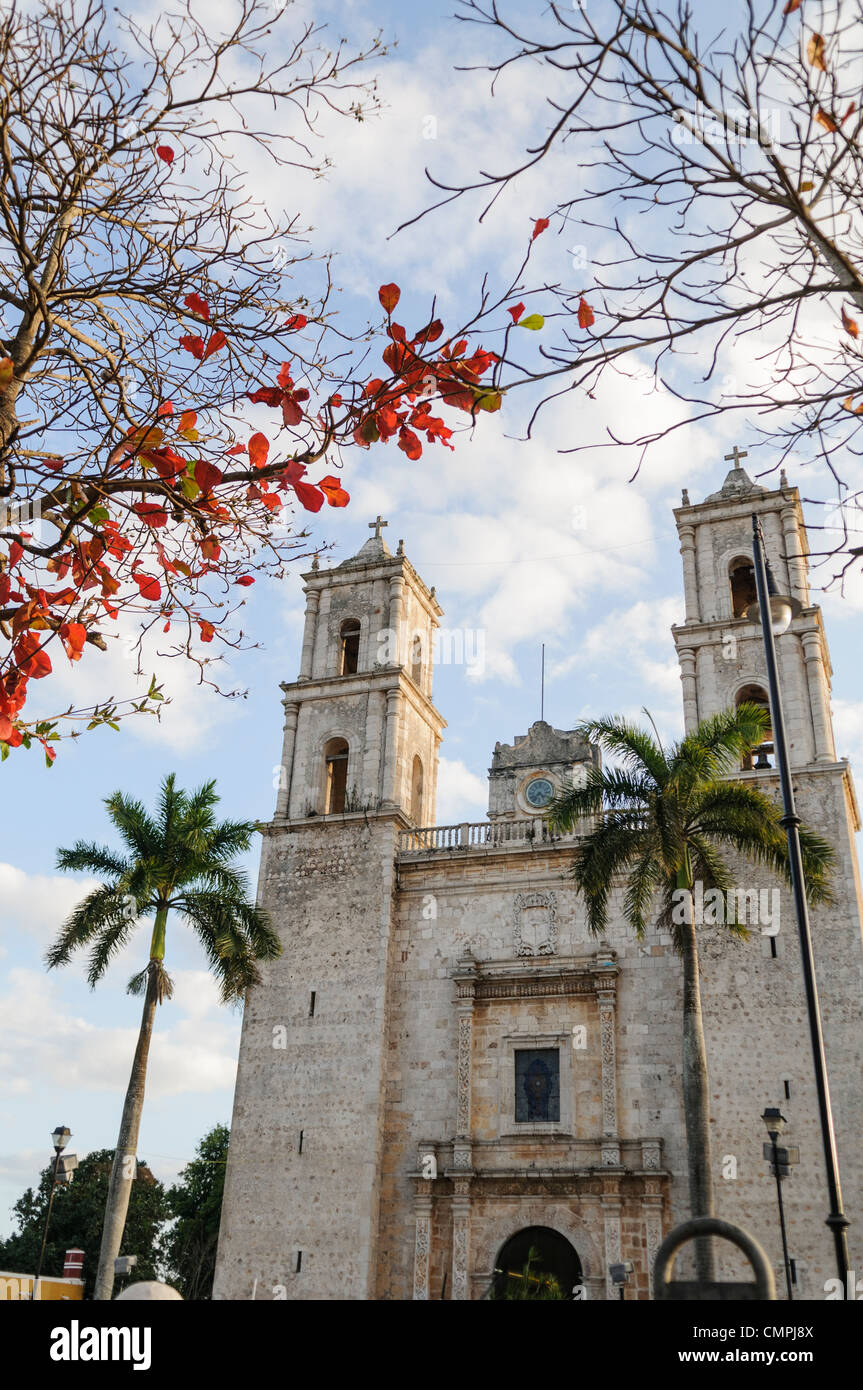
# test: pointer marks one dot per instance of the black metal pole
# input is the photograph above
(47, 1219)
(785, 1258)
(837, 1220)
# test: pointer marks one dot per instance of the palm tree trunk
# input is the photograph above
(125, 1155)
(696, 1099)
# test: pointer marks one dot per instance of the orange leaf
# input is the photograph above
(849, 324)
(824, 120)
(336, 495)
(207, 630)
(210, 548)
(585, 314)
(207, 476)
(815, 52)
(311, 498)
(259, 448)
(187, 420)
(792, 6)
(389, 295)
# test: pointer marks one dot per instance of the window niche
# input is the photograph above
(417, 791)
(741, 577)
(535, 1084)
(417, 659)
(336, 764)
(349, 646)
(756, 695)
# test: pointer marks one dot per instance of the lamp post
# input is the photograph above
(780, 1160)
(775, 613)
(60, 1138)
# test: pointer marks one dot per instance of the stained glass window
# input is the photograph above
(537, 1085)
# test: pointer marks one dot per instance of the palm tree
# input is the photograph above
(181, 860)
(660, 820)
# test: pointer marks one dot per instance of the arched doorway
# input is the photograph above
(536, 1263)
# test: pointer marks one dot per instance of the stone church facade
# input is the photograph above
(444, 1066)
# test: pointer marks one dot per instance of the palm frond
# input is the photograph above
(629, 744)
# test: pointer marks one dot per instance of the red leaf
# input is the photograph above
(284, 379)
(236, 449)
(296, 322)
(516, 310)
(410, 443)
(187, 420)
(266, 395)
(792, 6)
(430, 333)
(207, 630)
(292, 412)
(74, 636)
(336, 495)
(30, 659)
(259, 448)
(166, 153)
(5, 728)
(849, 324)
(148, 586)
(197, 305)
(216, 342)
(16, 550)
(389, 295)
(193, 343)
(245, 580)
(311, 498)
(152, 513)
(585, 314)
(207, 476)
(166, 408)
(539, 227)
(210, 548)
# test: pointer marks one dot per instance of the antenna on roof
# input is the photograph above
(542, 687)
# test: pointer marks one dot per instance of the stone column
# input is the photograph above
(397, 586)
(686, 656)
(611, 1209)
(651, 1210)
(375, 750)
(460, 1240)
(310, 632)
(422, 1246)
(391, 748)
(465, 978)
(608, 1052)
(813, 655)
(794, 556)
(292, 710)
(690, 580)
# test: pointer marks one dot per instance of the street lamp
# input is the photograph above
(619, 1273)
(60, 1138)
(780, 1160)
(780, 611)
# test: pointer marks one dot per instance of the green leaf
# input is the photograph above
(533, 321)
(98, 515)
(4, 752)
(490, 401)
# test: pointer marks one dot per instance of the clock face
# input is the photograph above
(539, 792)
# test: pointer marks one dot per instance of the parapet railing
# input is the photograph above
(480, 835)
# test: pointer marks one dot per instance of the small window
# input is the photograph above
(336, 757)
(417, 659)
(537, 1085)
(417, 791)
(760, 756)
(743, 591)
(349, 636)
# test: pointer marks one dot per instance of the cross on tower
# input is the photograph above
(376, 526)
(735, 456)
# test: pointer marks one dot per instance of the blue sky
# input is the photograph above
(523, 544)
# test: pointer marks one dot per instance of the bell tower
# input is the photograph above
(754, 1005)
(361, 732)
(301, 1211)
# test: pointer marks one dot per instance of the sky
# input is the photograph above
(524, 544)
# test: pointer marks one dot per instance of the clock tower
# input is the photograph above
(524, 776)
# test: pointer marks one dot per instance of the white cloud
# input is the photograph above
(461, 794)
(38, 903)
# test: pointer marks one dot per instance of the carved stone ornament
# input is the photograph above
(535, 931)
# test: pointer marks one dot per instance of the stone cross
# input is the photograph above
(376, 526)
(735, 456)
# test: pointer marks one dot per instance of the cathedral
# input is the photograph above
(444, 1070)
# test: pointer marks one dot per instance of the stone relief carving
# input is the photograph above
(464, 1041)
(421, 1258)
(535, 928)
